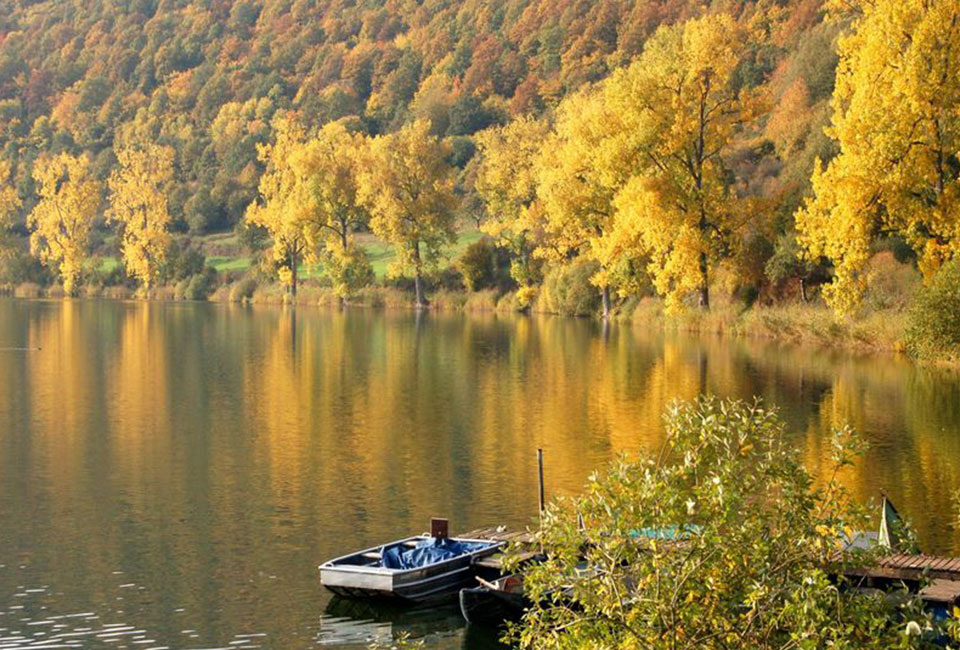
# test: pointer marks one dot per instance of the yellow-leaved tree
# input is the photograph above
(61, 221)
(284, 208)
(138, 206)
(328, 164)
(507, 183)
(896, 118)
(577, 180)
(407, 185)
(677, 109)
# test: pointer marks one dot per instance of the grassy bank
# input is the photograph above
(798, 323)
(229, 276)
(872, 330)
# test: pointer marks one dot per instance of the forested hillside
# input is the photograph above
(770, 150)
(207, 77)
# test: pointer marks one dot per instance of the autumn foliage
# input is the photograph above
(671, 147)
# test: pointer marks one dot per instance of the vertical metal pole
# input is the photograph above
(540, 467)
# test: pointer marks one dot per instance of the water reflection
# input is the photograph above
(184, 467)
(356, 623)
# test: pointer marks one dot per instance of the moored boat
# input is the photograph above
(415, 569)
(494, 603)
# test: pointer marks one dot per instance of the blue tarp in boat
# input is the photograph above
(429, 551)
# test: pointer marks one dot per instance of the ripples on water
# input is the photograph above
(171, 474)
(33, 620)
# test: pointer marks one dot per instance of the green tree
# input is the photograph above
(788, 261)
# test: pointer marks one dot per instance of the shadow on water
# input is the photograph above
(347, 622)
(476, 637)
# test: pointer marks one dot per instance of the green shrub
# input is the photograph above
(243, 289)
(348, 270)
(183, 262)
(891, 284)
(113, 276)
(201, 285)
(484, 265)
(18, 266)
(933, 326)
(567, 290)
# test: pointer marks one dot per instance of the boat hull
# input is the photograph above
(435, 582)
(483, 606)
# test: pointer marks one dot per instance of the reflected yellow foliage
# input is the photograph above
(206, 448)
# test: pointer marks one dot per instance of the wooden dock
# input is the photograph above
(904, 566)
(493, 564)
(942, 572)
(500, 534)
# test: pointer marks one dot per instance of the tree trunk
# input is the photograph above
(418, 277)
(803, 289)
(606, 302)
(704, 297)
(343, 249)
(417, 283)
(293, 274)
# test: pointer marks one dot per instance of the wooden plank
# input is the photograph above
(942, 591)
(496, 561)
(896, 566)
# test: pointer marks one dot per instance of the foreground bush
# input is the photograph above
(933, 329)
(742, 556)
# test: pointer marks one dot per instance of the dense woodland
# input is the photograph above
(765, 149)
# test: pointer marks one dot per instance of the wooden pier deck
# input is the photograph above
(942, 572)
(904, 566)
(494, 563)
(500, 534)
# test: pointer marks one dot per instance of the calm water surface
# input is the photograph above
(171, 474)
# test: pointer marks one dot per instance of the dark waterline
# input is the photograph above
(174, 472)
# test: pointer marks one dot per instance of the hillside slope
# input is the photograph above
(206, 76)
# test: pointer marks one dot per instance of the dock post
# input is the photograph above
(540, 468)
(439, 528)
(542, 499)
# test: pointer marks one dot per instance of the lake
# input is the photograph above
(171, 474)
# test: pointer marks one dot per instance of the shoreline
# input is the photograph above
(878, 332)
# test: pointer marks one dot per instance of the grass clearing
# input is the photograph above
(224, 263)
(225, 253)
(382, 254)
